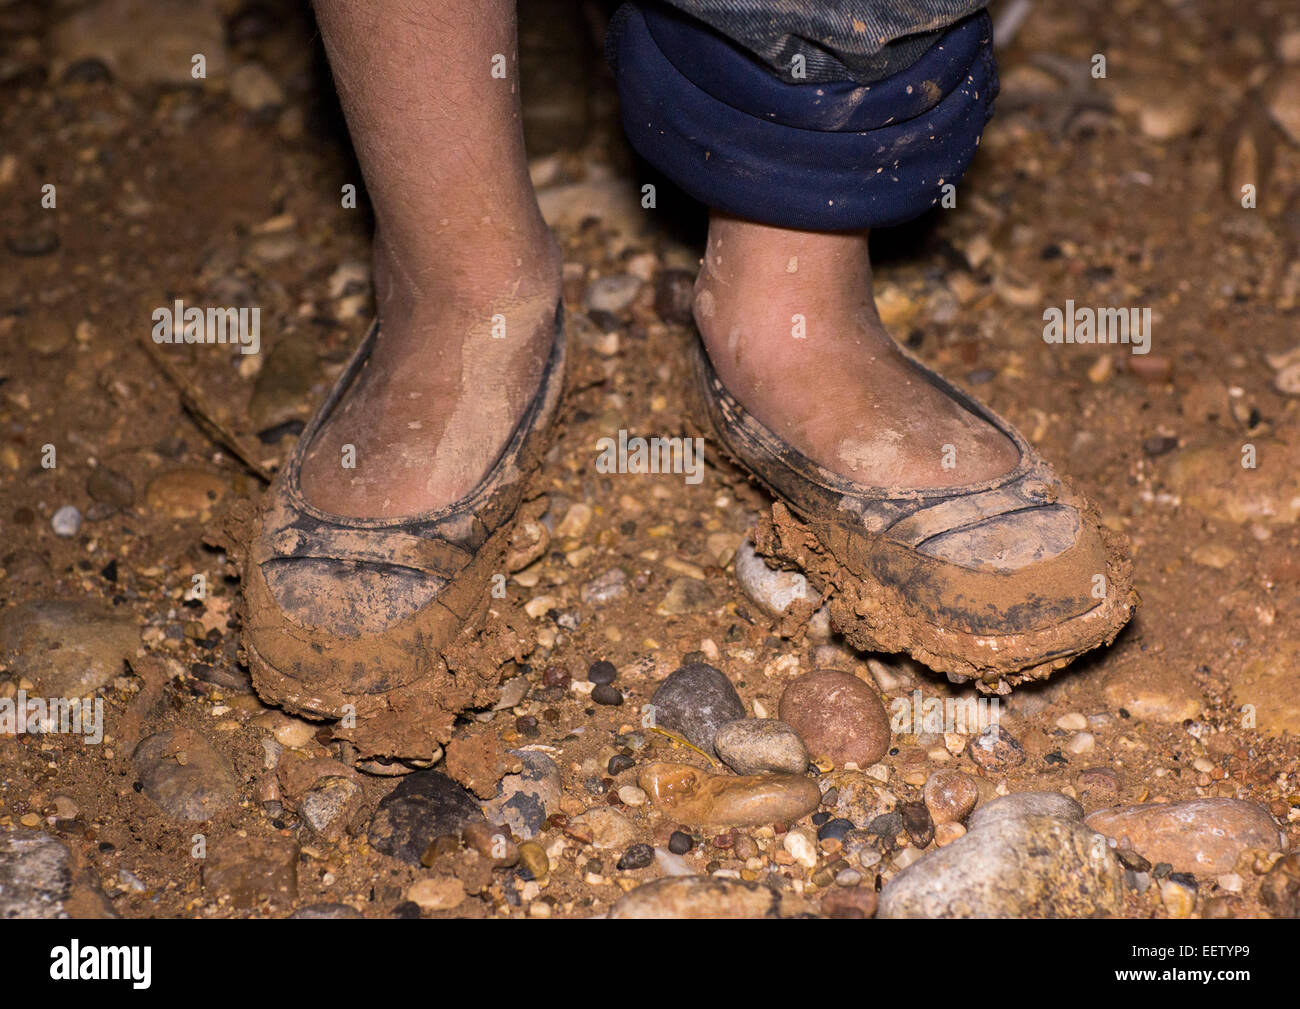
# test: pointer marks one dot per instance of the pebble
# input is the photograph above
(602, 671)
(184, 774)
(995, 749)
(533, 858)
(637, 856)
(1279, 891)
(1031, 866)
(329, 805)
(437, 893)
(1201, 836)
(523, 800)
(1022, 804)
(605, 588)
(946, 833)
(679, 842)
(619, 763)
(612, 294)
(801, 844)
(1178, 898)
(699, 798)
(774, 591)
(528, 541)
(838, 717)
(630, 795)
(609, 829)
(110, 487)
(67, 648)
(695, 701)
(698, 897)
(754, 745)
(424, 806)
(35, 875)
(605, 693)
(575, 521)
(917, 823)
(253, 88)
(66, 522)
(950, 795)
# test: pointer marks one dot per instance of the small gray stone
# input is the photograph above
(329, 804)
(184, 774)
(35, 878)
(612, 294)
(524, 798)
(604, 589)
(66, 522)
(424, 806)
(1013, 867)
(1019, 804)
(695, 701)
(754, 745)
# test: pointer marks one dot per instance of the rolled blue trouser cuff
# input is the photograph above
(834, 156)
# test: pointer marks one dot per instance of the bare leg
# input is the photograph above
(460, 252)
(842, 393)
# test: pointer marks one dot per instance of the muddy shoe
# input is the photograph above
(378, 623)
(1000, 582)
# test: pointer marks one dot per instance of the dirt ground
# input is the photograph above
(1122, 190)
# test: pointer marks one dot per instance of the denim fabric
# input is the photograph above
(830, 157)
(858, 40)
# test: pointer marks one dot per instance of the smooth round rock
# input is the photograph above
(1201, 836)
(66, 522)
(698, 897)
(1019, 804)
(424, 805)
(755, 745)
(838, 717)
(184, 774)
(1014, 867)
(695, 701)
